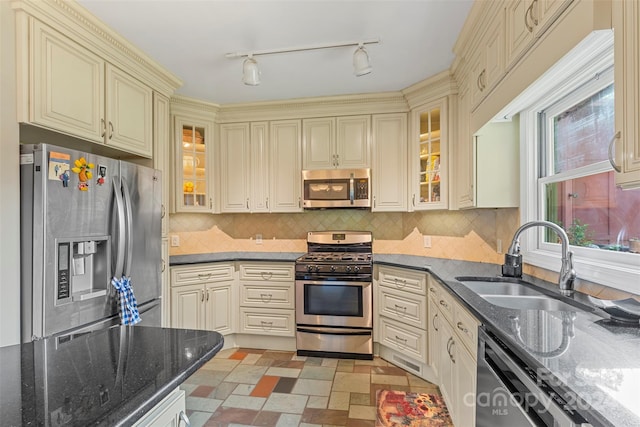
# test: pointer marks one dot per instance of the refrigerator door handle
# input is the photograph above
(117, 273)
(129, 222)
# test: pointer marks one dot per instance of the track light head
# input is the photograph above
(361, 65)
(250, 72)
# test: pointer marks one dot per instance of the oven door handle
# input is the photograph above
(332, 331)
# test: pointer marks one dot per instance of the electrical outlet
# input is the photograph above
(427, 241)
(258, 239)
(175, 240)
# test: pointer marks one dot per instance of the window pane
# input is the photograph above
(594, 212)
(581, 133)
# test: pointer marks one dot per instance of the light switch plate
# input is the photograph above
(427, 241)
(258, 239)
(175, 240)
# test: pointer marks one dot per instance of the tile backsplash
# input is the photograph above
(470, 235)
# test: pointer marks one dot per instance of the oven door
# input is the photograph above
(334, 303)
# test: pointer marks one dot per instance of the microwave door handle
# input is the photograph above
(119, 223)
(351, 190)
(129, 226)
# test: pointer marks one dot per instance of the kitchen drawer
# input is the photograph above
(267, 295)
(402, 279)
(445, 302)
(403, 338)
(202, 273)
(403, 306)
(433, 289)
(271, 271)
(466, 327)
(267, 322)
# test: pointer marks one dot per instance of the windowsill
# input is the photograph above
(606, 272)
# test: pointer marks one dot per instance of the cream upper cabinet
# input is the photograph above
(244, 167)
(463, 153)
(235, 167)
(526, 20)
(428, 156)
(488, 60)
(341, 142)
(260, 170)
(626, 16)
(74, 91)
(162, 152)
(389, 169)
(286, 166)
(193, 164)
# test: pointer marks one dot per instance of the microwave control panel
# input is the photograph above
(362, 189)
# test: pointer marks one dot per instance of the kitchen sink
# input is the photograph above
(521, 302)
(515, 295)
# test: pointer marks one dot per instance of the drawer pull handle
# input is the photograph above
(460, 326)
(404, 340)
(201, 296)
(266, 324)
(444, 304)
(266, 275)
(401, 282)
(184, 419)
(401, 307)
(203, 276)
(432, 290)
(266, 297)
(433, 321)
(207, 295)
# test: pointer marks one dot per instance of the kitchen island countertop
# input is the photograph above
(109, 377)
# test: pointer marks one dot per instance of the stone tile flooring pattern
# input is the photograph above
(248, 387)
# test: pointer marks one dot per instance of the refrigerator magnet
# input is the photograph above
(83, 169)
(102, 174)
(59, 165)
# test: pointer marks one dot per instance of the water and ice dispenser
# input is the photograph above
(82, 269)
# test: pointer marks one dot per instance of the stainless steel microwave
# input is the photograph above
(336, 188)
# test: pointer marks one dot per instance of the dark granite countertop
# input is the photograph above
(233, 256)
(109, 377)
(583, 352)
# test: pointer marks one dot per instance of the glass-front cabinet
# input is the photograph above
(428, 156)
(194, 151)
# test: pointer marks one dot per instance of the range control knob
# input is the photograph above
(332, 268)
(348, 269)
(356, 269)
(309, 268)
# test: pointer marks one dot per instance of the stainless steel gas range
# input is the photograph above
(334, 295)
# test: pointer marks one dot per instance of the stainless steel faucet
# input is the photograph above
(512, 266)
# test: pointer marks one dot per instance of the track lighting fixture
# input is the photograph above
(251, 73)
(361, 65)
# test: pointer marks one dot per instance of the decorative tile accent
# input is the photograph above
(265, 386)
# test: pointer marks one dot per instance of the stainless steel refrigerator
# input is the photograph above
(86, 219)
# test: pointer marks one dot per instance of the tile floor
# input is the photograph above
(247, 387)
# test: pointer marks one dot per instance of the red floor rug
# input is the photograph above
(403, 408)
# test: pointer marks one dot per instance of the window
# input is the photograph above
(566, 126)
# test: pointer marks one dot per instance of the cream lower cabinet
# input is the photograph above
(74, 91)
(267, 298)
(203, 297)
(400, 317)
(170, 412)
(455, 333)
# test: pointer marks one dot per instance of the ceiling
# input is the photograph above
(191, 37)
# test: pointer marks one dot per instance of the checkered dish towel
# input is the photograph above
(127, 301)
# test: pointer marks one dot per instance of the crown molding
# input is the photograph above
(387, 102)
(74, 21)
(435, 87)
(182, 105)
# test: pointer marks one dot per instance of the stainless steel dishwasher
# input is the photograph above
(510, 393)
